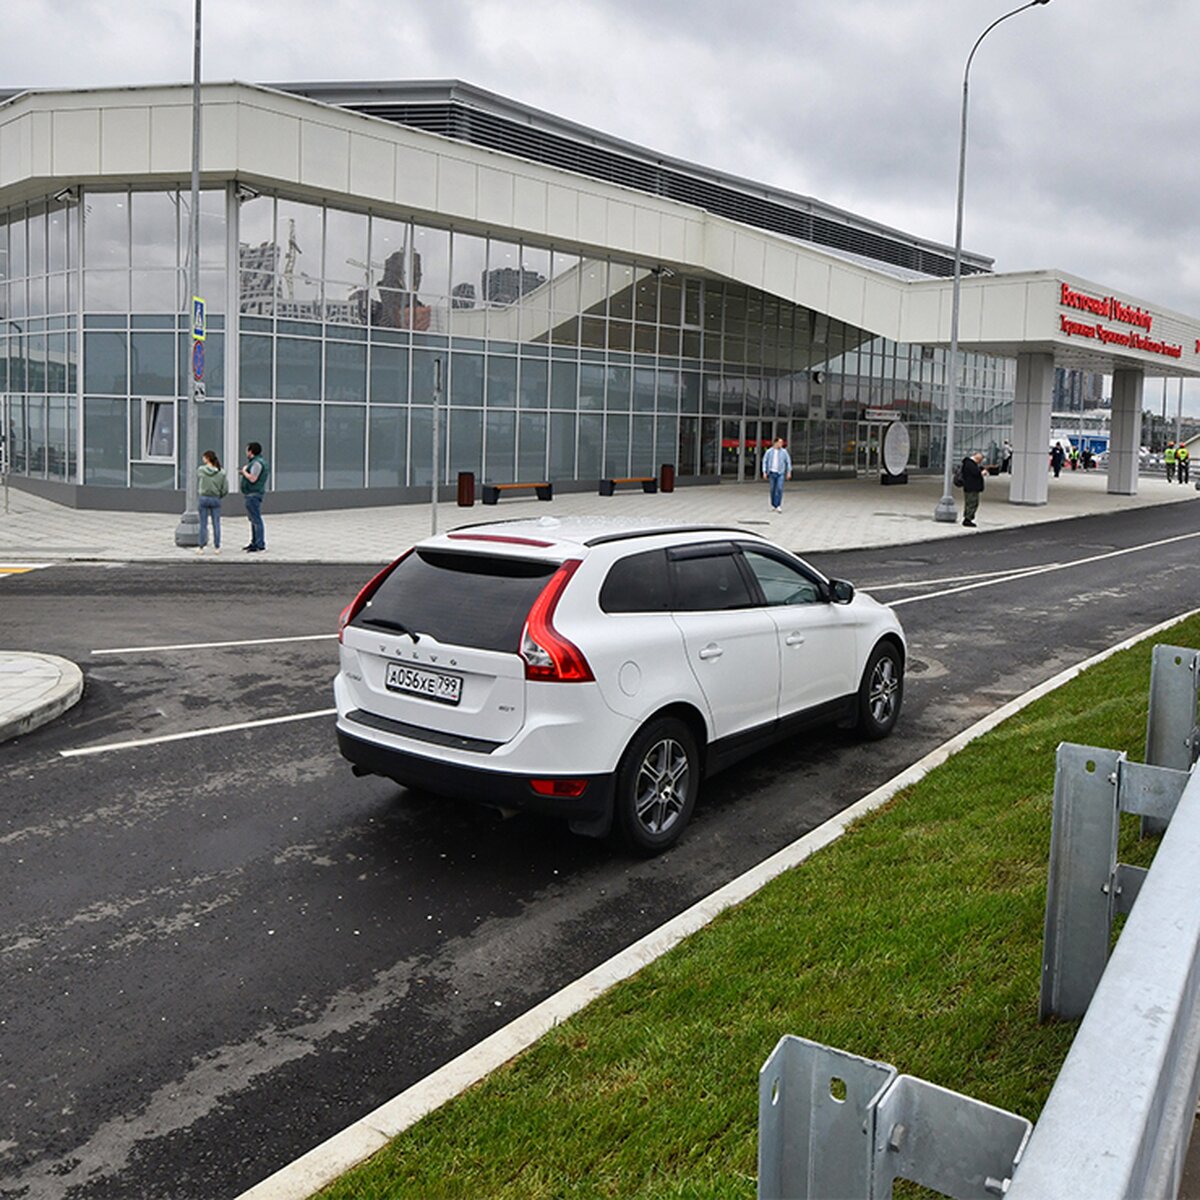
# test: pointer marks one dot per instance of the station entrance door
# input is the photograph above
(744, 441)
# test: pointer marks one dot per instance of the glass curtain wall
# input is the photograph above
(39, 337)
(554, 365)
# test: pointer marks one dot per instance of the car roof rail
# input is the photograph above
(659, 530)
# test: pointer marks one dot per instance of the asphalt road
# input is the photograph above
(218, 951)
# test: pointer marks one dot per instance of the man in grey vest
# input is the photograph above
(253, 485)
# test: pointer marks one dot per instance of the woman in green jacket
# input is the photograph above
(213, 489)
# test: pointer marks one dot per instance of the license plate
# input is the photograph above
(433, 685)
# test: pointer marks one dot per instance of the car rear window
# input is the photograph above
(460, 599)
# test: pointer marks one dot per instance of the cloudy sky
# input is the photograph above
(1084, 123)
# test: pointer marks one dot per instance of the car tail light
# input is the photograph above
(550, 657)
(360, 601)
(559, 787)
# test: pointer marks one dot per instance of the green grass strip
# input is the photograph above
(914, 939)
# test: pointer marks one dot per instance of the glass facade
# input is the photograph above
(550, 364)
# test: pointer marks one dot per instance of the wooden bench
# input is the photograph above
(649, 484)
(491, 491)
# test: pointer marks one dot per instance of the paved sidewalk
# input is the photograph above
(817, 515)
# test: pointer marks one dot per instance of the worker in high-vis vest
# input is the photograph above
(1169, 459)
(1183, 459)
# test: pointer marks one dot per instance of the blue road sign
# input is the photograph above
(198, 361)
(198, 318)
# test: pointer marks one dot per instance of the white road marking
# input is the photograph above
(307, 637)
(195, 733)
(919, 583)
(332, 1158)
(1026, 572)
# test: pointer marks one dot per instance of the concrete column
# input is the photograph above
(1126, 432)
(1031, 429)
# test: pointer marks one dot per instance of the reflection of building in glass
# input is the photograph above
(256, 278)
(506, 285)
(620, 311)
(397, 306)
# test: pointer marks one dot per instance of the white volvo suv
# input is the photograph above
(599, 669)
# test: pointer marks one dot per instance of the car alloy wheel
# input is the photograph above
(881, 692)
(656, 786)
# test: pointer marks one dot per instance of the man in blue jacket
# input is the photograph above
(777, 466)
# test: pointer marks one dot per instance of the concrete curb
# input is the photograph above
(34, 689)
(325, 1163)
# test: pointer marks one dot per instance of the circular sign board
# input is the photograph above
(896, 447)
(198, 360)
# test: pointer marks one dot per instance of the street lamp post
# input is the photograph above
(947, 509)
(187, 532)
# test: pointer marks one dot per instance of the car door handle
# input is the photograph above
(711, 651)
(795, 639)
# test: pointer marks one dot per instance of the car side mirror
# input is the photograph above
(841, 592)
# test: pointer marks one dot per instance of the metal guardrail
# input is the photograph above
(1117, 1123)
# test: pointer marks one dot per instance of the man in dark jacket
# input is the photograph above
(972, 477)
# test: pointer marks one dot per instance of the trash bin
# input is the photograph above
(466, 489)
(666, 477)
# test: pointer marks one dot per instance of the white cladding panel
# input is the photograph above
(720, 239)
(530, 198)
(749, 259)
(372, 167)
(621, 226)
(16, 155)
(779, 271)
(41, 141)
(562, 211)
(814, 275)
(171, 140)
(921, 310)
(846, 289)
(673, 231)
(124, 141)
(881, 307)
(495, 196)
(75, 142)
(416, 178)
(457, 183)
(592, 218)
(268, 143)
(325, 156)
(647, 232)
(1003, 310)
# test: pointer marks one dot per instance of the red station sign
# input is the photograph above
(1112, 309)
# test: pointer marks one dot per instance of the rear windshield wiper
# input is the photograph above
(384, 623)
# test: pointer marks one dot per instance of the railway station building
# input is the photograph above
(578, 306)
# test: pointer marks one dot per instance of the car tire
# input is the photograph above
(881, 692)
(656, 786)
